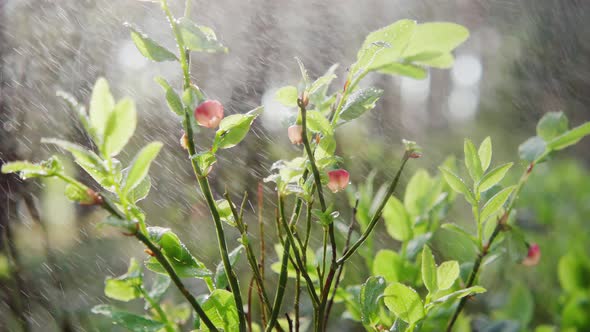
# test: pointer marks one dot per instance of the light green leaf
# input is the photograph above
(125, 287)
(485, 153)
(397, 220)
(404, 69)
(495, 203)
(199, 38)
(205, 161)
(472, 161)
(493, 177)
(404, 302)
(102, 104)
(225, 212)
(304, 74)
(148, 47)
(172, 98)
(287, 96)
(388, 264)
(316, 122)
(370, 295)
(457, 184)
(570, 137)
(140, 166)
(141, 190)
(429, 272)
(384, 46)
(359, 102)
(120, 127)
(233, 129)
(128, 225)
(183, 262)
(159, 286)
(220, 307)
(422, 192)
(552, 125)
(458, 230)
(532, 149)
(26, 169)
(435, 37)
(446, 274)
(132, 322)
(321, 83)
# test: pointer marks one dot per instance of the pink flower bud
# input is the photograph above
(338, 180)
(295, 133)
(534, 255)
(209, 113)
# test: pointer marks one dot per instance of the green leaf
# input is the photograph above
(493, 177)
(128, 225)
(472, 161)
(287, 96)
(220, 307)
(148, 47)
(140, 166)
(485, 153)
(304, 74)
(128, 320)
(233, 129)
(221, 281)
(429, 272)
(141, 191)
(422, 192)
(88, 160)
(321, 83)
(370, 295)
(102, 104)
(120, 127)
(532, 149)
(404, 302)
(446, 274)
(397, 220)
(457, 184)
(205, 161)
(172, 98)
(573, 271)
(404, 69)
(435, 38)
(25, 169)
(459, 294)
(199, 38)
(79, 193)
(316, 122)
(495, 203)
(552, 125)
(125, 287)
(570, 137)
(388, 264)
(159, 286)
(225, 212)
(183, 262)
(384, 46)
(456, 229)
(359, 102)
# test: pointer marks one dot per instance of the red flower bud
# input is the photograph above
(534, 255)
(295, 133)
(209, 113)
(338, 180)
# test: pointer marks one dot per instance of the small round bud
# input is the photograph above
(338, 180)
(295, 133)
(533, 256)
(305, 98)
(209, 113)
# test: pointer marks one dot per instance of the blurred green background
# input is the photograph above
(524, 58)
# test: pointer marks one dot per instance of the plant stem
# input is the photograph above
(485, 249)
(283, 275)
(111, 208)
(348, 253)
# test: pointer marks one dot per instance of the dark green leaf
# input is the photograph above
(183, 262)
(221, 281)
(148, 47)
(359, 102)
(172, 98)
(370, 295)
(128, 320)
